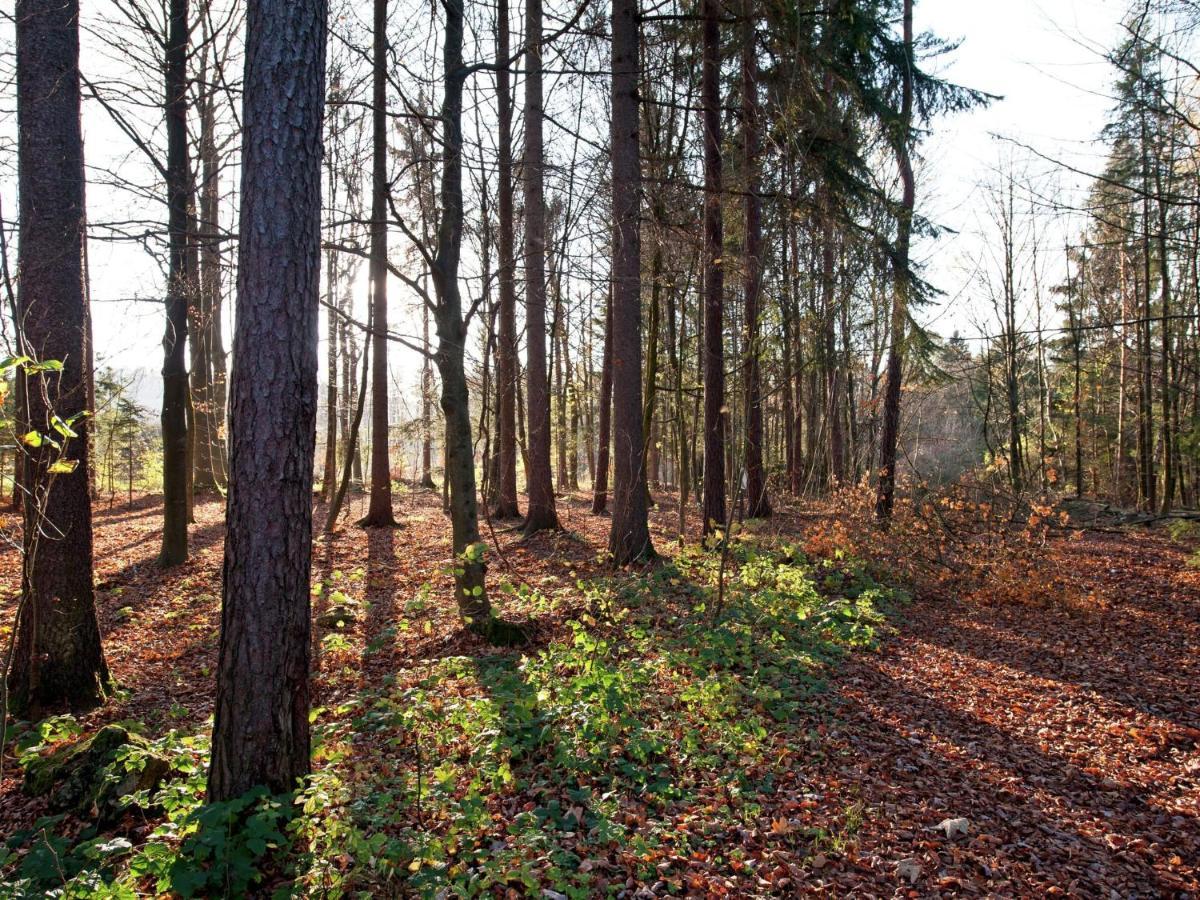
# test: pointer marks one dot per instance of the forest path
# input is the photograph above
(1066, 736)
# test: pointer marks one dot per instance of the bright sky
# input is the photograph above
(1044, 56)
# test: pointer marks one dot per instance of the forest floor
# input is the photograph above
(1006, 749)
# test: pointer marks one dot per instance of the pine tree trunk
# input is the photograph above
(758, 505)
(629, 536)
(261, 731)
(714, 301)
(58, 661)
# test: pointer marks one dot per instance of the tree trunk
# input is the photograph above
(600, 485)
(895, 362)
(180, 282)
(426, 407)
(506, 351)
(757, 503)
(541, 513)
(58, 660)
(332, 324)
(379, 510)
(1168, 383)
(210, 256)
(261, 730)
(629, 536)
(714, 302)
(469, 567)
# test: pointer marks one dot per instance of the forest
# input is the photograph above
(572, 449)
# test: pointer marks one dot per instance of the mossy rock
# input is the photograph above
(337, 617)
(87, 777)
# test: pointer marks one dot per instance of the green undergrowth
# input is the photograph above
(652, 731)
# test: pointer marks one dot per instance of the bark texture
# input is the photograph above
(714, 276)
(58, 660)
(757, 503)
(261, 732)
(629, 536)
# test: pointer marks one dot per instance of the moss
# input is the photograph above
(90, 778)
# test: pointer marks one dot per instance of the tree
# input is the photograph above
(604, 440)
(629, 536)
(208, 359)
(261, 729)
(181, 283)
(379, 512)
(506, 348)
(895, 364)
(58, 660)
(714, 275)
(469, 568)
(540, 513)
(757, 503)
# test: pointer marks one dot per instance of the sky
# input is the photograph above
(1043, 57)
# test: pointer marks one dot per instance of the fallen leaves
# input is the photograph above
(1056, 745)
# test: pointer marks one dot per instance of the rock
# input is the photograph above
(909, 870)
(86, 778)
(337, 617)
(953, 826)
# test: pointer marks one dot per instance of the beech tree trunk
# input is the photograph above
(469, 567)
(180, 283)
(714, 277)
(261, 731)
(629, 536)
(379, 510)
(541, 513)
(58, 661)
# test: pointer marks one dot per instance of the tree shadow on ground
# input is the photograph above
(529, 735)
(924, 761)
(198, 539)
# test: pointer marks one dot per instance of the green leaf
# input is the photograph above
(32, 439)
(64, 466)
(62, 427)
